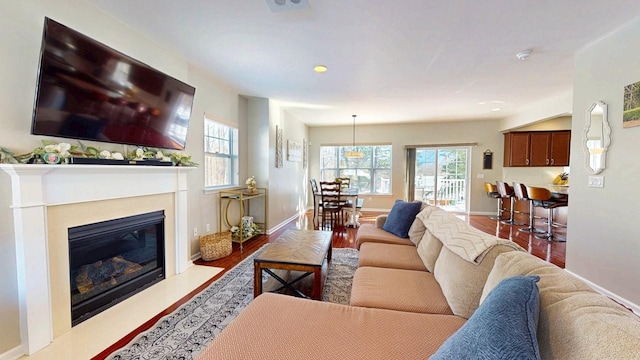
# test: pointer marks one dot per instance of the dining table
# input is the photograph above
(349, 194)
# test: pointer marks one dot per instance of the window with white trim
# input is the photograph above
(370, 174)
(220, 155)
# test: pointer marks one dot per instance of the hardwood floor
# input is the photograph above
(553, 252)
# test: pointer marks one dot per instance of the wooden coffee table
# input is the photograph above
(308, 251)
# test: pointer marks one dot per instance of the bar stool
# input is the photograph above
(542, 197)
(506, 191)
(492, 192)
(520, 191)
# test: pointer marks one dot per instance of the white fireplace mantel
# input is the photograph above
(36, 187)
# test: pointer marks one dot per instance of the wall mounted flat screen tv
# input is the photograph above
(89, 91)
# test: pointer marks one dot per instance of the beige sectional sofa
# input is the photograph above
(410, 295)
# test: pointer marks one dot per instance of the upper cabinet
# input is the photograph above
(537, 148)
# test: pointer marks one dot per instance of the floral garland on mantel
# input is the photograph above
(59, 153)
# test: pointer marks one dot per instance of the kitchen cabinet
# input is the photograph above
(537, 148)
(559, 148)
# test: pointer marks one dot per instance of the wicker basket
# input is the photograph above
(215, 246)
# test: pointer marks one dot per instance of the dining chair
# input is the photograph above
(345, 181)
(317, 205)
(332, 203)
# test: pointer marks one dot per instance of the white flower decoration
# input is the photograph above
(64, 147)
(52, 148)
(139, 154)
(117, 156)
(159, 155)
(105, 154)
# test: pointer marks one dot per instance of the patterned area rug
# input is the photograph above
(186, 331)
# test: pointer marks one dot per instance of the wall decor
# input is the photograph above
(294, 151)
(279, 161)
(487, 159)
(596, 137)
(631, 109)
(305, 153)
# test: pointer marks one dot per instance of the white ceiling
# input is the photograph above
(389, 61)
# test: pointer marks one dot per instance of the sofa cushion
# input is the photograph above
(394, 289)
(575, 321)
(462, 281)
(279, 327)
(390, 256)
(503, 327)
(429, 249)
(458, 236)
(380, 220)
(401, 217)
(371, 233)
(417, 229)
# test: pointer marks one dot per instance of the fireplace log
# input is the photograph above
(100, 272)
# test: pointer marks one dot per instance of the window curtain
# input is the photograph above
(410, 173)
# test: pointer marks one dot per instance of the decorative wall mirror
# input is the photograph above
(596, 137)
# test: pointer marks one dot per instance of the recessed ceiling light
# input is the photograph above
(496, 109)
(319, 68)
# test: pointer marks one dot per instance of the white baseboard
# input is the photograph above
(376, 210)
(282, 224)
(634, 307)
(12, 354)
(493, 213)
(197, 255)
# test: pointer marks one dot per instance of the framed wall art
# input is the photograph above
(279, 160)
(305, 153)
(294, 151)
(631, 109)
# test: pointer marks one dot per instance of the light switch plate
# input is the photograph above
(596, 181)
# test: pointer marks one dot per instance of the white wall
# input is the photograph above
(603, 244)
(550, 108)
(287, 184)
(22, 23)
(219, 103)
(485, 133)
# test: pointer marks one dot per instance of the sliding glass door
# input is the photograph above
(442, 177)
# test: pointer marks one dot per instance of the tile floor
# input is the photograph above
(96, 334)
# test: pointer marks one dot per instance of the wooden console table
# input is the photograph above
(243, 197)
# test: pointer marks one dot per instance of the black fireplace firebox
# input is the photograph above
(113, 260)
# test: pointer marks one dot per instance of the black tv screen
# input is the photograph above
(89, 91)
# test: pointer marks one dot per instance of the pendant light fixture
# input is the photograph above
(353, 154)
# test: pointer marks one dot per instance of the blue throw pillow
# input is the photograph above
(401, 217)
(503, 327)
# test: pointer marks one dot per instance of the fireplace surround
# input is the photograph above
(49, 199)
